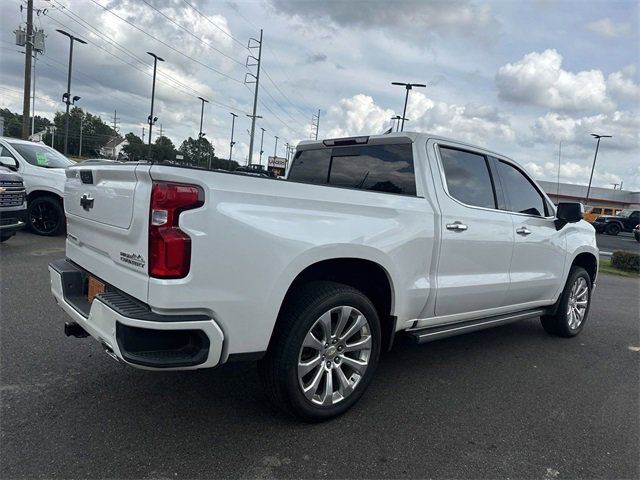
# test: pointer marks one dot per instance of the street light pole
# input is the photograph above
(593, 167)
(153, 119)
(407, 86)
(233, 124)
(261, 144)
(275, 149)
(67, 96)
(201, 115)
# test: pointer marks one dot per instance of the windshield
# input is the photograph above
(625, 213)
(41, 155)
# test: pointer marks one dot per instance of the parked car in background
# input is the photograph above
(594, 212)
(13, 203)
(625, 221)
(366, 239)
(43, 171)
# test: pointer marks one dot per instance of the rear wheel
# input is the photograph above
(573, 306)
(46, 216)
(613, 229)
(324, 351)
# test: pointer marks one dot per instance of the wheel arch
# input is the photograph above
(43, 193)
(365, 275)
(589, 262)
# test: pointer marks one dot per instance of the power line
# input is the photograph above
(173, 82)
(216, 25)
(167, 45)
(194, 35)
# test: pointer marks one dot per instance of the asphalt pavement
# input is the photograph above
(511, 402)
(623, 241)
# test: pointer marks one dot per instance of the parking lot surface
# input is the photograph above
(511, 402)
(623, 241)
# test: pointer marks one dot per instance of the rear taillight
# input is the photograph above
(170, 247)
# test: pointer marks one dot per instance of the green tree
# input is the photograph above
(95, 133)
(13, 123)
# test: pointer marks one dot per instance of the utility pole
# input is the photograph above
(66, 98)
(33, 100)
(593, 167)
(275, 149)
(261, 145)
(151, 118)
(142, 134)
(53, 134)
(407, 86)
(27, 72)
(80, 148)
(256, 79)
(232, 143)
(161, 131)
(115, 121)
(315, 125)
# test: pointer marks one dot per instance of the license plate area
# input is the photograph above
(94, 287)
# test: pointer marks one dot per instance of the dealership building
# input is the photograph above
(598, 196)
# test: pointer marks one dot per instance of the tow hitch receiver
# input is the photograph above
(72, 329)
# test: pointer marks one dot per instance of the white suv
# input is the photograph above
(178, 268)
(42, 169)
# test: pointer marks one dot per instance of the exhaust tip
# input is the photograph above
(72, 329)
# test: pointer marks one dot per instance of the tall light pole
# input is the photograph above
(407, 86)
(261, 145)
(151, 118)
(593, 167)
(275, 149)
(233, 124)
(200, 134)
(256, 79)
(66, 97)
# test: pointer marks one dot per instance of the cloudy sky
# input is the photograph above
(518, 77)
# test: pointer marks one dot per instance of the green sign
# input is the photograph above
(41, 159)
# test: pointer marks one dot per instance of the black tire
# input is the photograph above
(559, 323)
(613, 229)
(46, 216)
(279, 368)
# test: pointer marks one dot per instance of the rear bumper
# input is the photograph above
(130, 331)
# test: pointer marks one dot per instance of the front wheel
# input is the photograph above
(573, 306)
(324, 351)
(613, 229)
(46, 216)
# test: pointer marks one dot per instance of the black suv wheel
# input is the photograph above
(46, 216)
(613, 229)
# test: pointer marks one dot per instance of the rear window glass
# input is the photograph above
(311, 166)
(380, 168)
(467, 176)
(597, 210)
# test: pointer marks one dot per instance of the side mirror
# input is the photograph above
(9, 163)
(568, 213)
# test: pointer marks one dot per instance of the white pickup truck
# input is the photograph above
(368, 237)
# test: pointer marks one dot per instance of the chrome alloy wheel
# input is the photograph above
(578, 302)
(334, 355)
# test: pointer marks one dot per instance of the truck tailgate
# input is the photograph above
(107, 208)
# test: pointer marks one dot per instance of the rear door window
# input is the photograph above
(607, 211)
(598, 210)
(467, 176)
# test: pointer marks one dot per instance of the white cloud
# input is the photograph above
(608, 28)
(621, 85)
(623, 125)
(538, 78)
(479, 124)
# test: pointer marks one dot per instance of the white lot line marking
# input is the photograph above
(551, 473)
(633, 349)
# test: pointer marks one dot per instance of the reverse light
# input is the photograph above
(170, 247)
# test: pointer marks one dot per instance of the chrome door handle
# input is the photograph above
(523, 231)
(456, 226)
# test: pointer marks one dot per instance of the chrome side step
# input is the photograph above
(429, 334)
